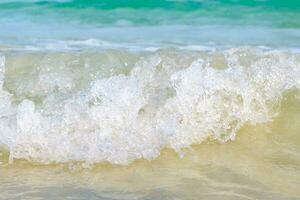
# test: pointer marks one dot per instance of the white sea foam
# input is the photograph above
(166, 99)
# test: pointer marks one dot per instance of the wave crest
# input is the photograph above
(163, 99)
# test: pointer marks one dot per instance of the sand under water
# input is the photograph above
(191, 101)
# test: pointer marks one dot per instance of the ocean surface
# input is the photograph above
(150, 99)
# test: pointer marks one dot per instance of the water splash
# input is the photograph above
(165, 99)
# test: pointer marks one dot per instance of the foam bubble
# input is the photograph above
(166, 99)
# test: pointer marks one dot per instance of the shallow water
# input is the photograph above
(262, 163)
(149, 99)
(164, 116)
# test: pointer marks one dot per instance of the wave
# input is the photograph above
(120, 106)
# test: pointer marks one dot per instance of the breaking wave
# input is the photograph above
(119, 106)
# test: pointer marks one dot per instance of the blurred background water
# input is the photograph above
(215, 22)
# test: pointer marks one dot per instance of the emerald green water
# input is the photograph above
(277, 13)
(221, 22)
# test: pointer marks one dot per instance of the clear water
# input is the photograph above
(149, 99)
(190, 22)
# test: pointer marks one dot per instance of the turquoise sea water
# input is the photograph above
(221, 22)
